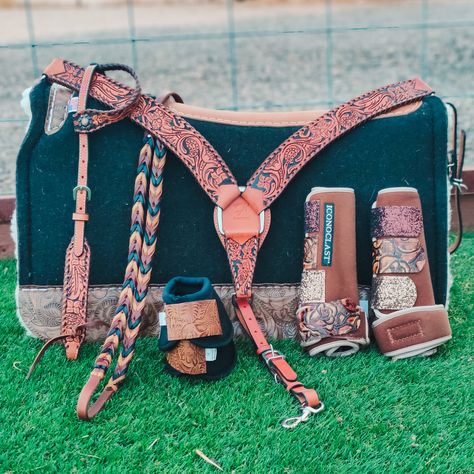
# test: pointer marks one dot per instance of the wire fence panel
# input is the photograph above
(244, 55)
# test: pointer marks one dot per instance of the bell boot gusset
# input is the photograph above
(195, 330)
(330, 320)
(407, 322)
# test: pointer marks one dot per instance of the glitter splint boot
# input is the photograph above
(195, 330)
(330, 320)
(407, 322)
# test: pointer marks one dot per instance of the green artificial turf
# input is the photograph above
(381, 416)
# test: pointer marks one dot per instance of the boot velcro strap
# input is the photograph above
(413, 331)
(192, 320)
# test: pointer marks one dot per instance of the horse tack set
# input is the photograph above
(195, 328)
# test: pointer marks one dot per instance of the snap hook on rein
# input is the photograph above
(306, 412)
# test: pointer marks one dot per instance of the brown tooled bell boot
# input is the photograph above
(407, 322)
(330, 320)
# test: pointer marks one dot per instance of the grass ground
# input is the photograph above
(381, 416)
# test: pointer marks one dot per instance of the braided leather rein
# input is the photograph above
(127, 320)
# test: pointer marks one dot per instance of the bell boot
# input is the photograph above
(195, 330)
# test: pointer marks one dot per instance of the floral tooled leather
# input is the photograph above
(178, 135)
(398, 255)
(310, 252)
(75, 291)
(39, 309)
(203, 160)
(192, 320)
(284, 163)
(317, 321)
(242, 259)
(187, 358)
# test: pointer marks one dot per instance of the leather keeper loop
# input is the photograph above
(414, 328)
(78, 216)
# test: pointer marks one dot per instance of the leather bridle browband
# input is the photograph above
(242, 214)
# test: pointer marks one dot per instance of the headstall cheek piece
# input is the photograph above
(78, 253)
(244, 216)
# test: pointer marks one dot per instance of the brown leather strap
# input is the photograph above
(458, 188)
(73, 332)
(77, 261)
(82, 192)
(203, 160)
(42, 351)
(91, 120)
(282, 165)
(83, 409)
(274, 360)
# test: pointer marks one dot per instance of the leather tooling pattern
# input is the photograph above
(178, 135)
(75, 291)
(398, 255)
(187, 358)
(242, 259)
(192, 320)
(203, 160)
(212, 173)
(311, 216)
(393, 292)
(310, 253)
(396, 221)
(321, 320)
(284, 163)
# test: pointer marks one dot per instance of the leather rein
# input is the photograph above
(242, 215)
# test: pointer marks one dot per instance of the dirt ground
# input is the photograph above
(184, 47)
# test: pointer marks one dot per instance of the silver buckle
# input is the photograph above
(81, 187)
(274, 355)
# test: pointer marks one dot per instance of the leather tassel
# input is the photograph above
(74, 304)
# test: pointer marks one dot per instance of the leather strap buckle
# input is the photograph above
(81, 188)
(268, 360)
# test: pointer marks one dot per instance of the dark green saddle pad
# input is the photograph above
(403, 150)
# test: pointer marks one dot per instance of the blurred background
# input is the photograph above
(249, 54)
